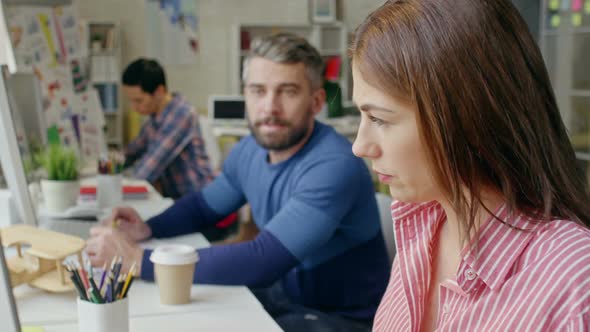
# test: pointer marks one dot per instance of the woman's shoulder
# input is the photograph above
(561, 232)
(560, 249)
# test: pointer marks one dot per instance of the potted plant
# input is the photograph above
(61, 188)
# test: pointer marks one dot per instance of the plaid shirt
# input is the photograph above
(170, 151)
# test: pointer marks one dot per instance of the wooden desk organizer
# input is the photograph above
(40, 265)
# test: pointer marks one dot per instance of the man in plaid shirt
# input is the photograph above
(169, 151)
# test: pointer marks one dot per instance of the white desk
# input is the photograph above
(231, 319)
(212, 308)
(238, 131)
(146, 208)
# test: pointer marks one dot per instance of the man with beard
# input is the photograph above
(319, 261)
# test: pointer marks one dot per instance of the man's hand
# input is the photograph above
(108, 242)
(128, 221)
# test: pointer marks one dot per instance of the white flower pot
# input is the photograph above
(59, 195)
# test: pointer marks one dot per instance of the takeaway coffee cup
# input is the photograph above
(174, 266)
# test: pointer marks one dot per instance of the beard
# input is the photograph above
(280, 141)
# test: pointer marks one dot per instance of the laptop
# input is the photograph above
(227, 111)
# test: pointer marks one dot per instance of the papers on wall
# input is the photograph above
(62, 117)
(79, 79)
(172, 29)
(44, 35)
(91, 118)
(51, 43)
(72, 45)
(54, 79)
(73, 119)
(28, 40)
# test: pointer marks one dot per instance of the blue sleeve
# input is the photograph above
(189, 214)
(225, 194)
(196, 210)
(256, 263)
(326, 192)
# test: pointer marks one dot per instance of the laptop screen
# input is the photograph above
(15, 152)
(227, 108)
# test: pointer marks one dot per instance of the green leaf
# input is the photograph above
(60, 163)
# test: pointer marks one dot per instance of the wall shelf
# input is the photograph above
(104, 43)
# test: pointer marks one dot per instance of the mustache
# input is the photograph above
(272, 120)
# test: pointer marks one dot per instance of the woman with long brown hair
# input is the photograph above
(490, 211)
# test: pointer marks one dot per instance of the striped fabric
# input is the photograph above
(170, 151)
(533, 279)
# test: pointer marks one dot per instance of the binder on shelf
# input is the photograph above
(108, 95)
(332, 72)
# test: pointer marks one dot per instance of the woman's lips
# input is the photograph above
(384, 178)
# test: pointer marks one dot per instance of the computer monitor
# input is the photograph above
(25, 91)
(227, 109)
(10, 154)
(8, 311)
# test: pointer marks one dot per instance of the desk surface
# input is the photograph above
(212, 308)
(231, 319)
(146, 208)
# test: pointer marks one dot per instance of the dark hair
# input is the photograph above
(145, 73)
(486, 110)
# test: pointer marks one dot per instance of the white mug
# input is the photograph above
(109, 190)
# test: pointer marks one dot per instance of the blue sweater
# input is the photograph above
(320, 231)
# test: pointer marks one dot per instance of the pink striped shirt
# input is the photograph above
(533, 279)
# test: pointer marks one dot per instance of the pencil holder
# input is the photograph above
(103, 317)
(109, 190)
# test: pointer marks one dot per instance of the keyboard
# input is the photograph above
(79, 228)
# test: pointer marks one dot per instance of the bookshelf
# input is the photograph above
(330, 39)
(104, 61)
(565, 44)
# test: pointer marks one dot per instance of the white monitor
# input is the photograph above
(25, 90)
(11, 158)
(230, 109)
(8, 311)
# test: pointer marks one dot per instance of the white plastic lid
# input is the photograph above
(174, 254)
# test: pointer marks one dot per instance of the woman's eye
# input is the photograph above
(377, 121)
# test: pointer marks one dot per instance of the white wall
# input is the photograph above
(210, 73)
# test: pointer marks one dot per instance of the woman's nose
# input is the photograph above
(364, 146)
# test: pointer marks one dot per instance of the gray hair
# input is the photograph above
(289, 49)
